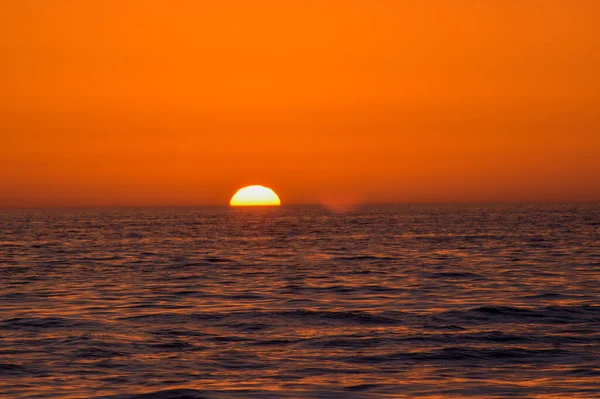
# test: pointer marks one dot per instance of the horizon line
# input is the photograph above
(547, 202)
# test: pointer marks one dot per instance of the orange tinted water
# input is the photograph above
(301, 302)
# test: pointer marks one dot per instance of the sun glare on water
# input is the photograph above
(255, 196)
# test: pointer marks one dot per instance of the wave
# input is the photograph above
(454, 275)
(462, 354)
(350, 392)
(546, 314)
(363, 257)
(257, 317)
(168, 394)
(37, 323)
(9, 368)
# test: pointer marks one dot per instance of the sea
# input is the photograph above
(380, 301)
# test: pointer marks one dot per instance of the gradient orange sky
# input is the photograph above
(181, 102)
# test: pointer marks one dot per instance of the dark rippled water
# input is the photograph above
(299, 302)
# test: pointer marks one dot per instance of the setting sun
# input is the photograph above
(255, 196)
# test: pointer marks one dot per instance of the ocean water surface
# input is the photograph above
(300, 302)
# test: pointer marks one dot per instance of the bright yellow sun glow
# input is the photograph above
(255, 196)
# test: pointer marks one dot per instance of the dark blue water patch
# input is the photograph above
(172, 346)
(548, 295)
(183, 293)
(215, 259)
(248, 327)
(506, 311)
(293, 287)
(18, 296)
(454, 275)
(229, 339)
(350, 317)
(364, 258)
(133, 235)
(167, 394)
(168, 333)
(23, 273)
(317, 370)
(178, 318)
(39, 323)
(346, 393)
(361, 387)
(468, 354)
(470, 337)
(43, 245)
(248, 296)
(170, 394)
(9, 245)
(95, 353)
(155, 304)
(443, 327)
(586, 372)
(346, 342)
(340, 289)
(459, 338)
(541, 245)
(76, 340)
(204, 263)
(122, 364)
(253, 317)
(278, 343)
(7, 369)
(548, 314)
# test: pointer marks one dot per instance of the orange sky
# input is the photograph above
(181, 102)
